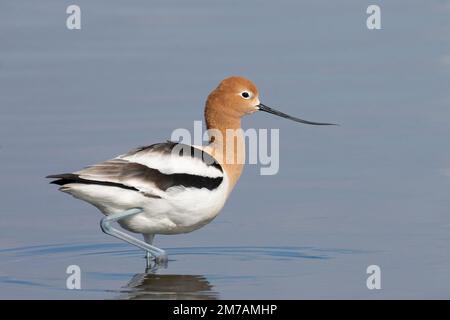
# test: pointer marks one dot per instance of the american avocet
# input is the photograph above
(171, 188)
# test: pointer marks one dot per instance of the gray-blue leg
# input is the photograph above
(153, 252)
(152, 264)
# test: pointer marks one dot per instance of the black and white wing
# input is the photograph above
(151, 170)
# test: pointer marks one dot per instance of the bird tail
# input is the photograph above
(64, 178)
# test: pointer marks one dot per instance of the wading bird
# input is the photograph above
(171, 188)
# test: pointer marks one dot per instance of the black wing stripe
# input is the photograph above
(67, 178)
(148, 175)
(183, 151)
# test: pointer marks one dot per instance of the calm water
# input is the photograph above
(375, 190)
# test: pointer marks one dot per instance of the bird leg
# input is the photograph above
(153, 264)
(152, 253)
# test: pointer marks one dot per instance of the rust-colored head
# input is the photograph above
(232, 99)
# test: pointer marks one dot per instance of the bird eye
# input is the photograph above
(245, 95)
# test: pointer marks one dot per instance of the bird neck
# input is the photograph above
(227, 143)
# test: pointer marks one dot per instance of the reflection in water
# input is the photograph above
(168, 286)
(154, 284)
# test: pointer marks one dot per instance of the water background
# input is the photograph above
(375, 190)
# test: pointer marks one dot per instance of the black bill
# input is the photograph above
(265, 108)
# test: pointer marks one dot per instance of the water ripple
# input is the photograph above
(239, 252)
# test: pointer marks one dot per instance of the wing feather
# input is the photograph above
(152, 170)
(171, 157)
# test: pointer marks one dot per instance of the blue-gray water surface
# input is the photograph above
(373, 191)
